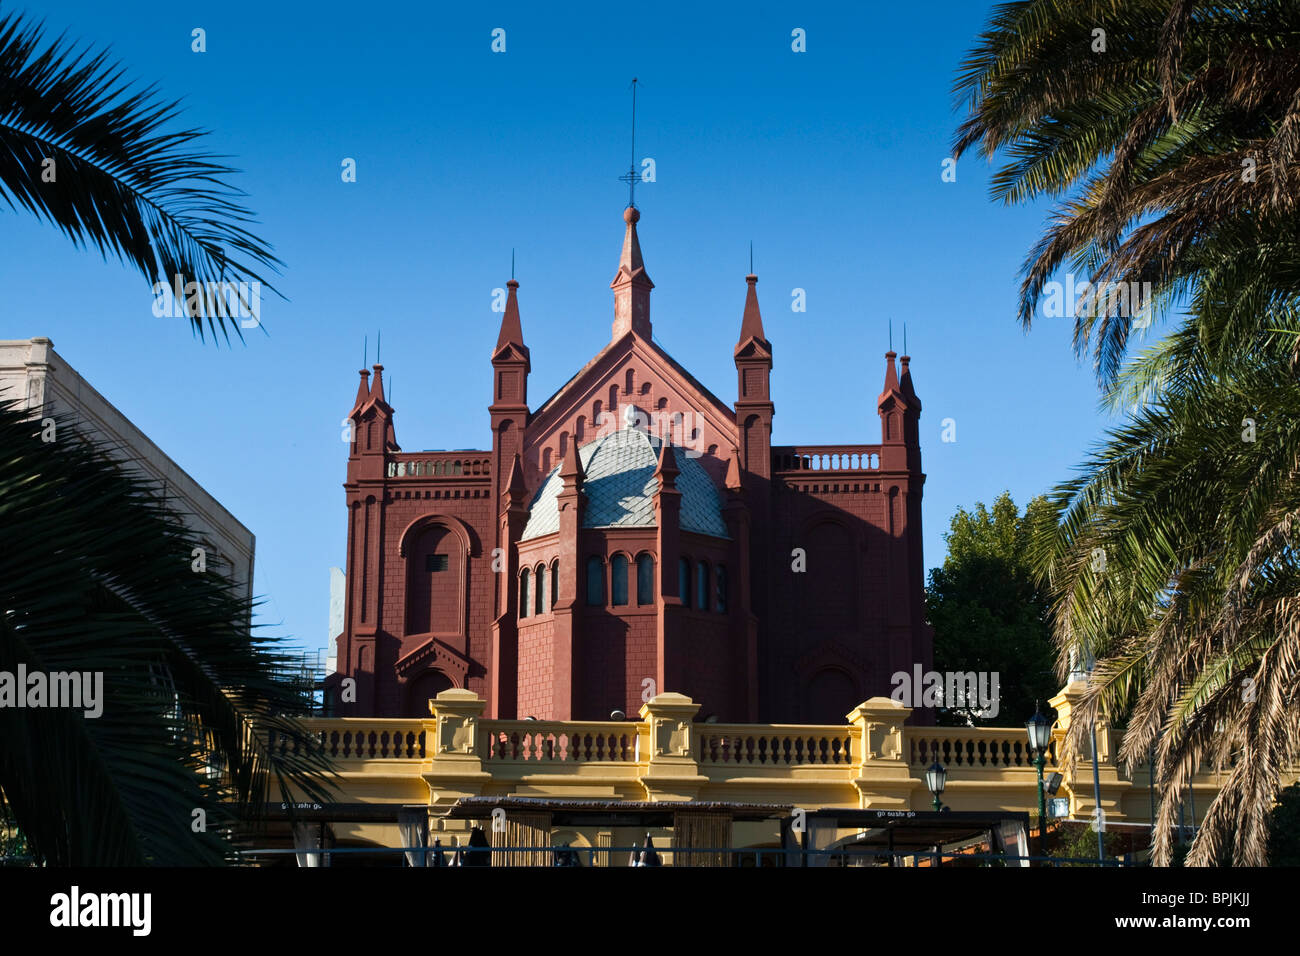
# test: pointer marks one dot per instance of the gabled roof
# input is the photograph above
(658, 350)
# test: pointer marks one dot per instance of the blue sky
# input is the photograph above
(828, 160)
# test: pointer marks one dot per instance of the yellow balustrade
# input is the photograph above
(874, 760)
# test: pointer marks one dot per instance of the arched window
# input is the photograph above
(618, 579)
(525, 592)
(555, 584)
(645, 579)
(539, 601)
(684, 580)
(702, 585)
(595, 582)
(720, 588)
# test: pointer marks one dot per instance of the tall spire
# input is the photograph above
(512, 333)
(631, 285)
(751, 324)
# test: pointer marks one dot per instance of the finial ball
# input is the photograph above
(631, 214)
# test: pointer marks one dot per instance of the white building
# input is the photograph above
(43, 381)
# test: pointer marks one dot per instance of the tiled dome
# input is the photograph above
(619, 485)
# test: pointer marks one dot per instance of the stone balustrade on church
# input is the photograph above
(439, 464)
(787, 458)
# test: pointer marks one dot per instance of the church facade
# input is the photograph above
(631, 535)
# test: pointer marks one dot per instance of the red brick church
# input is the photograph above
(634, 534)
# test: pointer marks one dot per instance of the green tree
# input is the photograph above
(1172, 143)
(988, 613)
(1167, 132)
(1078, 841)
(1284, 829)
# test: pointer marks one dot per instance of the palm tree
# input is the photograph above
(97, 577)
(82, 149)
(1170, 560)
(96, 570)
(1171, 139)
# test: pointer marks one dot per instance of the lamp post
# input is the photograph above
(935, 778)
(1039, 729)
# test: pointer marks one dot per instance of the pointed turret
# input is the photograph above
(373, 433)
(511, 364)
(383, 412)
(731, 481)
(905, 383)
(754, 408)
(667, 471)
(512, 333)
(377, 387)
(363, 393)
(571, 467)
(751, 324)
(517, 488)
(631, 285)
(899, 410)
(912, 414)
(891, 374)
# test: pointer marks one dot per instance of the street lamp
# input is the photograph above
(1039, 729)
(935, 778)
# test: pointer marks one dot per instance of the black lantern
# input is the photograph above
(1039, 729)
(935, 778)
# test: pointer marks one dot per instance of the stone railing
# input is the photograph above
(984, 748)
(826, 458)
(536, 741)
(440, 464)
(776, 745)
(875, 760)
(364, 738)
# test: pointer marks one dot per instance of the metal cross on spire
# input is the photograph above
(632, 174)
